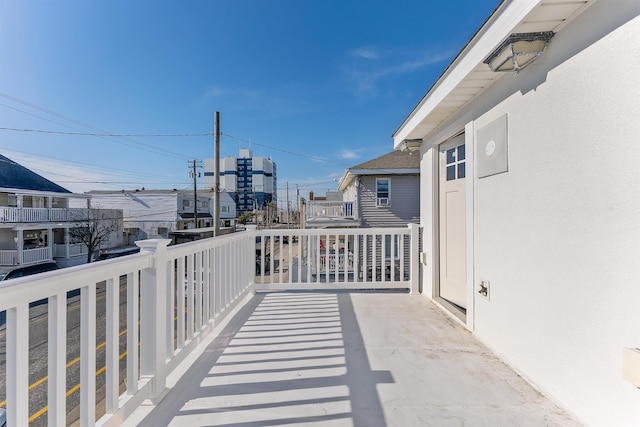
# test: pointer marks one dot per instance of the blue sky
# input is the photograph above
(325, 78)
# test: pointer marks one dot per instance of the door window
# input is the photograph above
(456, 163)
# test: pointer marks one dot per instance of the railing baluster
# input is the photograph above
(57, 347)
(402, 257)
(17, 365)
(214, 287)
(171, 304)
(281, 253)
(336, 258)
(271, 259)
(319, 260)
(219, 287)
(383, 257)
(310, 256)
(299, 255)
(198, 291)
(112, 389)
(133, 316)
(290, 266)
(180, 314)
(189, 293)
(262, 259)
(205, 287)
(87, 355)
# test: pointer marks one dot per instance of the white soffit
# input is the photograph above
(452, 91)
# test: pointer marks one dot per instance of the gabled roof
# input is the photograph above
(393, 163)
(15, 176)
(389, 161)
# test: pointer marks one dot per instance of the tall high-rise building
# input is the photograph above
(250, 181)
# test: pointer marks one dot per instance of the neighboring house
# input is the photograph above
(157, 213)
(36, 216)
(530, 201)
(205, 210)
(382, 192)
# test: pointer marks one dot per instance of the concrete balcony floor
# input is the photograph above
(348, 359)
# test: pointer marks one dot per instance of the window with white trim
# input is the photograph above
(383, 195)
(456, 163)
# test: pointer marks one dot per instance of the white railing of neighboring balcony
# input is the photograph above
(323, 209)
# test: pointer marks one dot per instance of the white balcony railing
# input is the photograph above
(173, 297)
(322, 209)
(335, 258)
(32, 256)
(9, 257)
(13, 214)
(75, 249)
(29, 256)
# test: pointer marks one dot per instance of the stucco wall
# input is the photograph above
(557, 235)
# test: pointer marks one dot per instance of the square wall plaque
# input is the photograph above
(491, 148)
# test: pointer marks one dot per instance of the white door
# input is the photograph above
(453, 259)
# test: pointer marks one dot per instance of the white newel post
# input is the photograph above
(153, 314)
(414, 257)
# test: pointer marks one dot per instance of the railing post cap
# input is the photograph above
(152, 245)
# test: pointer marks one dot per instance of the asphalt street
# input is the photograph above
(38, 359)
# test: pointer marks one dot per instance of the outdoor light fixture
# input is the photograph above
(410, 145)
(518, 51)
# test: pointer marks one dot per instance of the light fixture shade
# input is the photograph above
(410, 145)
(518, 51)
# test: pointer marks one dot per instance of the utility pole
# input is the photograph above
(194, 165)
(216, 194)
(288, 208)
(298, 204)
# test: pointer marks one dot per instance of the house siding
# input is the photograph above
(404, 205)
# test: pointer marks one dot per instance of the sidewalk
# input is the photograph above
(348, 359)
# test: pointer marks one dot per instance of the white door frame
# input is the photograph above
(468, 318)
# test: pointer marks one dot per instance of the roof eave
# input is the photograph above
(44, 193)
(385, 171)
(467, 76)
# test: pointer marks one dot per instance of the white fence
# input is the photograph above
(174, 297)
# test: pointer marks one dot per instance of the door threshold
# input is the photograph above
(459, 312)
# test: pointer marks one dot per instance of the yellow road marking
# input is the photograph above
(75, 388)
(69, 364)
(71, 391)
(73, 307)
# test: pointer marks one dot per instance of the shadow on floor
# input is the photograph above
(285, 358)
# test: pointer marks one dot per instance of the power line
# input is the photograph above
(119, 135)
(171, 135)
(134, 144)
(84, 164)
